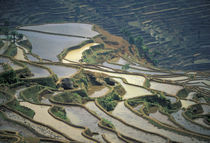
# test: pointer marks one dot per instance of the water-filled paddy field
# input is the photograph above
(42, 111)
(62, 71)
(48, 46)
(188, 125)
(75, 29)
(38, 71)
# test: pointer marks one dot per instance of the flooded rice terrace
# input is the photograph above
(67, 99)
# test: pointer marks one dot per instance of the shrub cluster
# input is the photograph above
(109, 101)
(59, 112)
(107, 123)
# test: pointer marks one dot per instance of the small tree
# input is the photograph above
(139, 41)
(125, 67)
(131, 40)
(139, 44)
(14, 34)
(125, 32)
(20, 36)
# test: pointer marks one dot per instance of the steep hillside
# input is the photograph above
(176, 32)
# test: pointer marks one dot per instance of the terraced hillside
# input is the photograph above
(176, 32)
(52, 90)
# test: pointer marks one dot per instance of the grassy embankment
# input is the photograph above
(158, 100)
(11, 50)
(97, 54)
(72, 97)
(109, 101)
(59, 112)
(16, 106)
(32, 94)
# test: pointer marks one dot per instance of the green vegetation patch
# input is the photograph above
(109, 81)
(8, 77)
(60, 113)
(97, 54)
(85, 79)
(107, 123)
(182, 93)
(25, 110)
(81, 79)
(147, 83)
(143, 51)
(4, 98)
(157, 100)
(64, 52)
(6, 66)
(46, 81)
(88, 132)
(125, 67)
(193, 111)
(119, 90)
(207, 119)
(31, 94)
(11, 50)
(1, 43)
(78, 97)
(25, 44)
(199, 96)
(109, 101)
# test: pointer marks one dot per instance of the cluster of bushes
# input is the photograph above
(107, 123)
(109, 81)
(26, 44)
(97, 54)
(199, 96)
(93, 80)
(147, 83)
(119, 90)
(182, 93)
(149, 108)
(4, 98)
(81, 79)
(125, 67)
(68, 98)
(109, 101)
(46, 81)
(13, 78)
(59, 112)
(143, 51)
(207, 119)
(193, 111)
(25, 110)
(84, 79)
(134, 102)
(11, 34)
(83, 82)
(9, 76)
(157, 99)
(78, 97)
